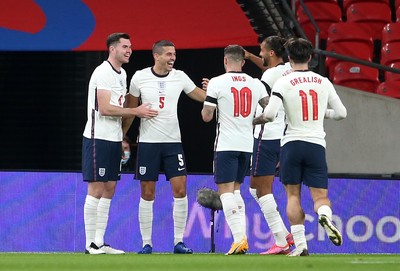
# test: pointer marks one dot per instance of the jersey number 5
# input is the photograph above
(304, 104)
(241, 102)
(161, 105)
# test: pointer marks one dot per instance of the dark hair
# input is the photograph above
(276, 44)
(158, 45)
(299, 50)
(234, 52)
(115, 37)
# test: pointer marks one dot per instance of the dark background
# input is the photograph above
(43, 106)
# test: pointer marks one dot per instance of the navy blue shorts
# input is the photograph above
(230, 166)
(101, 160)
(265, 157)
(304, 162)
(155, 157)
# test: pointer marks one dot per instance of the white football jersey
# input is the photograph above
(275, 129)
(236, 96)
(162, 92)
(105, 127)
(305, 96)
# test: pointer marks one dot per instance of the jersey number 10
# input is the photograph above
(242, 100)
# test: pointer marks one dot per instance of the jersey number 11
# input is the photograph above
(304, 104)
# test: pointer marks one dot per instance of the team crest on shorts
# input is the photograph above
(102, 171)
(142, 170)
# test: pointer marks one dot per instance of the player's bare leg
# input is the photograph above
(322, 206)
(296, 218)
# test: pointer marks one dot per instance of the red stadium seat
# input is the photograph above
(324, 14)
(347, 3)
(391, 33)
(390, 53)
(398, 14)
(389, 88)
(375, 14)
(356, 50)
(345, 32)
(297, 3)
(391, 76)
(356, 76)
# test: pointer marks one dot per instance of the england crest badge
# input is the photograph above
(142, 170)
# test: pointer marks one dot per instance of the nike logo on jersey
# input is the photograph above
(180, 168)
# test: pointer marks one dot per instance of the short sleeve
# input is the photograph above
(104, 80)
(188, 84)
(263, 89)
(134, 85)
(278, 87)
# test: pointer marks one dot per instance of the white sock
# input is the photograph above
(102, 220)
(325, 210)
(253, 192)
(90, 217)
(146, 220)
(242, 209)
(180, 213)
(273, 218)
(299, 236)
(232, 216)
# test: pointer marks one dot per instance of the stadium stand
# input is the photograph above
(391, 33)
(362, 51)
(389, 88)
(346, 3)
(356, 76)
(398, 14)
(297, 3)
(375, 14)
(324, 14)
(350, 34)
(390, 53)
(350, 39)
(391, 76)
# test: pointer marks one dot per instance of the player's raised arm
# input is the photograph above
(258, 61)
(197, 94)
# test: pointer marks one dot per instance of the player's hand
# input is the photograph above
(204, 83)
(259, 120)
(145, 111)
(247, 54)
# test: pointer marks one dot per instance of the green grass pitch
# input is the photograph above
(198, 262)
